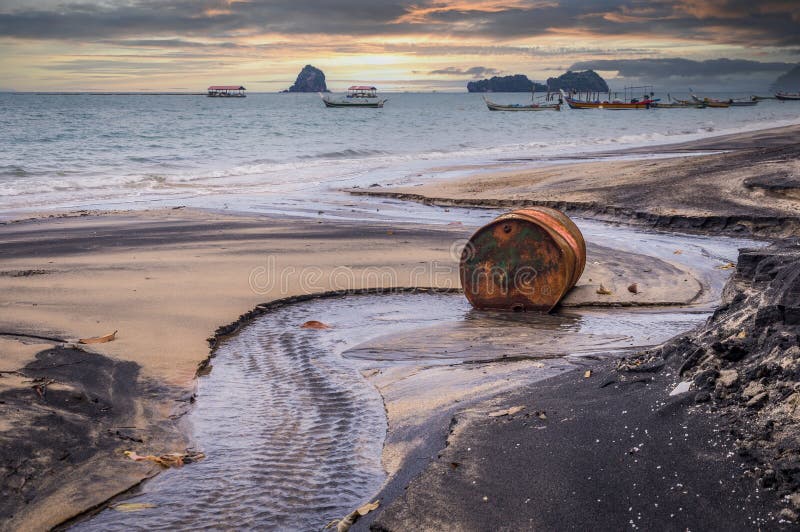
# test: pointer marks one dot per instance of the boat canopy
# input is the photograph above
(226, 88)
(362, 91)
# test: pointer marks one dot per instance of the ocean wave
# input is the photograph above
(344, 154)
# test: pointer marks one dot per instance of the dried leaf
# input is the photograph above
(587, 374)
(677, 252)
(367, 508)
(728, 266)
(344, 524)
(167, 460)
(742, 334)
(603, 291)
(507, 412)
(633, 288)
(132, 506)
(314, 324)
(99, 339)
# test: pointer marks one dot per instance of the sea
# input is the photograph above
(288, 153)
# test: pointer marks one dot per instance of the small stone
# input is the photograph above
(728, 377)
(788, 514)
(758, 400)
(682, 387)
(753, 389)
(702, 397)
(794, 500)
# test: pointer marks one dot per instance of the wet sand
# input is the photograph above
(751, 189)
(166, 280)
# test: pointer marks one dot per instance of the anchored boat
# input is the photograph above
(710, 102)
(357, 96)
(614, 105)
(226, 91)
(521, 107)
(787, 96)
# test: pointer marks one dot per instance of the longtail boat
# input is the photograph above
(357, 96)
(714, 104)
(613, 105)
(787, 96)
(521, 107)
(678, 104)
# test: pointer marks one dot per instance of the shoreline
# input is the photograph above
(104, 255)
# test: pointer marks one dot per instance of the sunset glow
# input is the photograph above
(421, 45)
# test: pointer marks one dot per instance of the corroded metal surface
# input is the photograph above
(527, 259)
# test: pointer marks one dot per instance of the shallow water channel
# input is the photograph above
(293, 428)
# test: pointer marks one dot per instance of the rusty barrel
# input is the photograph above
(527, 259)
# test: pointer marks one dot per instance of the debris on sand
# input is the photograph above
(167, 460)
(99, 339)
(507, 412)
(633, 288)
(314, 324)
(344, 524)
(603, 291)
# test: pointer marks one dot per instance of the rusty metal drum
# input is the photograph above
(527, 259)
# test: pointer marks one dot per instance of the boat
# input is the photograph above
(787, 96)
(710, 102)
(226, 91)
(633, 103)
(521, 107)
(678, 104)
(357, 96)
(744, 102)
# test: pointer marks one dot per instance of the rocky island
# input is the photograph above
(515, 83)
(310, 79)
(585, 81)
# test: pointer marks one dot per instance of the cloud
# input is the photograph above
(476, 72)
(765, 23)
(682, 68)
(717, 74)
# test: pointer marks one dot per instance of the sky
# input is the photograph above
(186, 45)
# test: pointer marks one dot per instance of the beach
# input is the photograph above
(174, 282)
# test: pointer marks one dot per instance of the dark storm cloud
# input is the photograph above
(474, 72)
(765, 23)
(677, 67)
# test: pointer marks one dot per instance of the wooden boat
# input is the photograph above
(714, 104)
(520, 107)
(788, 96)
(614, 105)
(678, 104)
(357, 96)
(226, 91)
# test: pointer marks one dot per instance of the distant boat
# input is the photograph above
(787, 96)
(521, 107)
(613, 105)
(357, 96)
(679, 104)
(226, 91)
(743, 103)
(710, 102)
